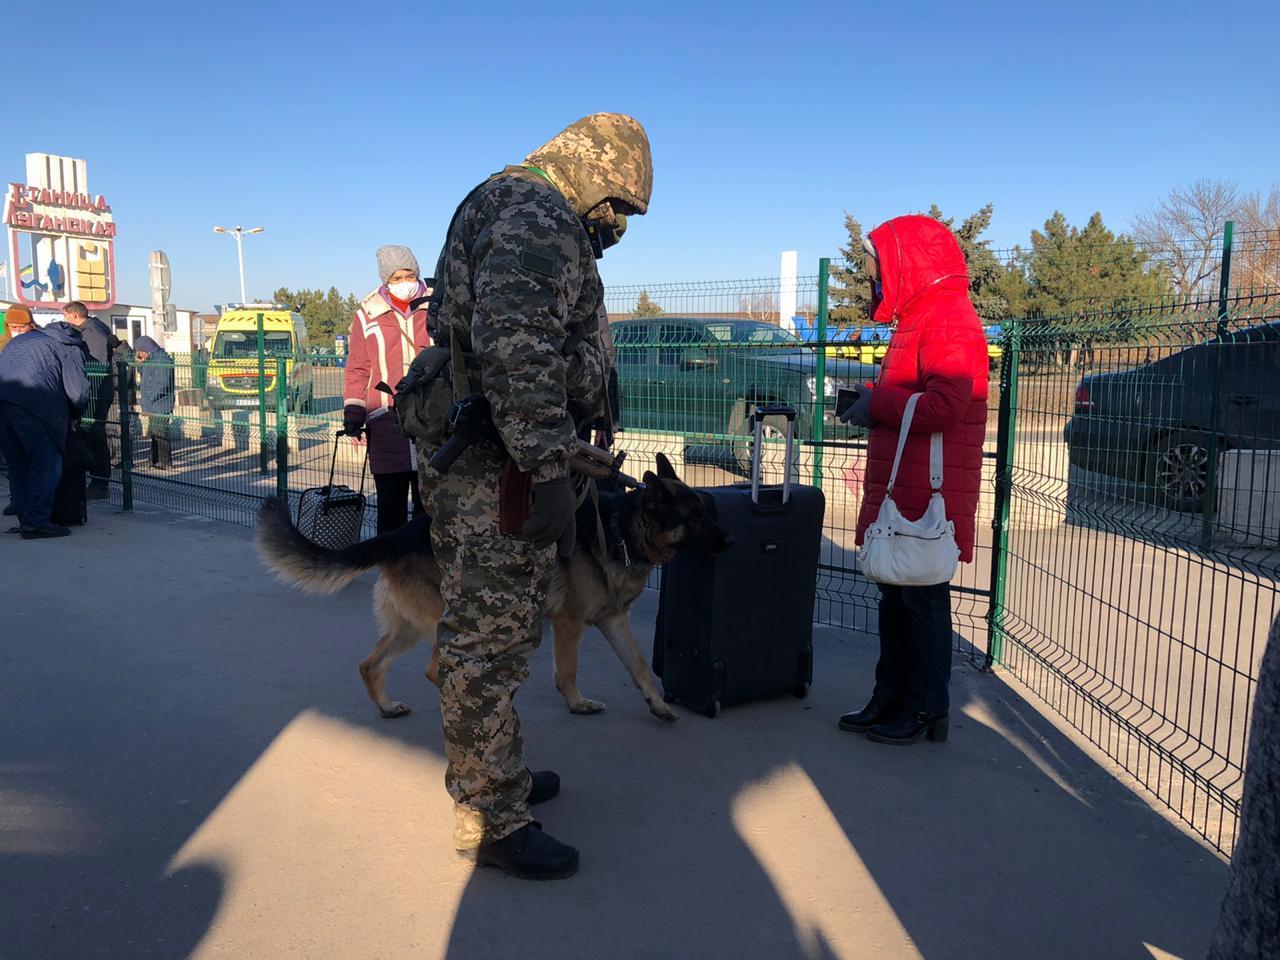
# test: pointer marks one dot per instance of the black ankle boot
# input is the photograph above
(909, 727)
(877, 711)
(528, 854)
(546, 786)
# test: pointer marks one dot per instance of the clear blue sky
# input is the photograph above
(340, 127)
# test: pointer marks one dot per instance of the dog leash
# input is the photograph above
(602, 542)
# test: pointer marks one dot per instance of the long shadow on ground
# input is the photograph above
(149, 663)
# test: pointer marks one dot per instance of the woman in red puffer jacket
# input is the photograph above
(939, 350)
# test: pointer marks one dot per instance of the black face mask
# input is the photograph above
(604, 234)
(877, 297)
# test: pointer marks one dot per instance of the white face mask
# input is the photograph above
(403, 290)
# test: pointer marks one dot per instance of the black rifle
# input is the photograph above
(470, 420)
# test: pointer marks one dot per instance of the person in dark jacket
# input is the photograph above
(101, 343)
(1249, 923)
(155, 386)
(10, 510)
(42, 384)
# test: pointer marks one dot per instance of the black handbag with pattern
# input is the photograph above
(332, 516)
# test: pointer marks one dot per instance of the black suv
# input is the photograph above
(1152, 424)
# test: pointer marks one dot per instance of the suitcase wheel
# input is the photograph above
(802, 689)
(713, 711)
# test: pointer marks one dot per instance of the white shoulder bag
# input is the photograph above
(911, 553)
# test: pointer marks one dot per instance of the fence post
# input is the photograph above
(820, 372)
(126, 435)
(1006, 446)
(263, 456)
(282, 429)
(1209, 505)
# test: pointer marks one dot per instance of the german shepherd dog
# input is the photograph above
(643, 528)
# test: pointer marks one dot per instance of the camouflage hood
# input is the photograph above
(601, 157)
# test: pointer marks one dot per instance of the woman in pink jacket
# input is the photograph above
(388, 331)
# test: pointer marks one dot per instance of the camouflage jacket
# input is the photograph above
(517, 284)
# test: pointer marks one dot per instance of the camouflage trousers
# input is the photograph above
(494, 588)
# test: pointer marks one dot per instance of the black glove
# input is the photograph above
(551, 520)
(859, 412)
(353, 420)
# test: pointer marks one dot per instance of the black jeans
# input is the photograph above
(35, 465)
(915, 647)
(161, 441)
(394, 490)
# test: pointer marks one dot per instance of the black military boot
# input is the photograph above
(909, 727)
(879, 710)
(528, 854)
(546, 786)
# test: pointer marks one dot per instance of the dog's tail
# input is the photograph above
(320, 570)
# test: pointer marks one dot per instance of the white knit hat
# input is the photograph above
(393, 257)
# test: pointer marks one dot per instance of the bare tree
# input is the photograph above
(759, 306)
(1182, 230)
(1257, 262)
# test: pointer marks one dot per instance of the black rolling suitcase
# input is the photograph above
(739, 626)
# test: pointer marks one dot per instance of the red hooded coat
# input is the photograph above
(938, 349)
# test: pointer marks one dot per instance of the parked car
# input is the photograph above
(701, 376)
(1153, 424)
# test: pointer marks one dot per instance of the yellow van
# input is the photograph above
(233, 357)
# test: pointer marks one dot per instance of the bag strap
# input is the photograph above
(461, 382)
(935, 449)
(333, 463)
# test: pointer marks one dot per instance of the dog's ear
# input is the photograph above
(654, 488)
(665, 470)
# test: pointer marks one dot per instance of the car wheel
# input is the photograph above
(1178, 470)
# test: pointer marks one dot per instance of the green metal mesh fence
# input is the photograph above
(1143, 536)
(695, 358)
(232, 448)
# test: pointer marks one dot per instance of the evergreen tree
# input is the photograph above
(327, 314)
(1083, 270)
(985, 273)
(850, 291)
(1012, 284)
(645, 307)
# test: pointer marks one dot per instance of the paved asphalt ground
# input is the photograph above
(189, 767)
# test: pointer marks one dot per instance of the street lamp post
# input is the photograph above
(239, 233)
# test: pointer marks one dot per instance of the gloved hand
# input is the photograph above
(859, 412)
(551, 520)
(353, 416)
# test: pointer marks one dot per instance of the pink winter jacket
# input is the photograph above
(382, 344)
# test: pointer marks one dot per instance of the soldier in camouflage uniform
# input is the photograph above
(517, 287)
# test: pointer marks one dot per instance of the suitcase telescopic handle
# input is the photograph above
(758, 416)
